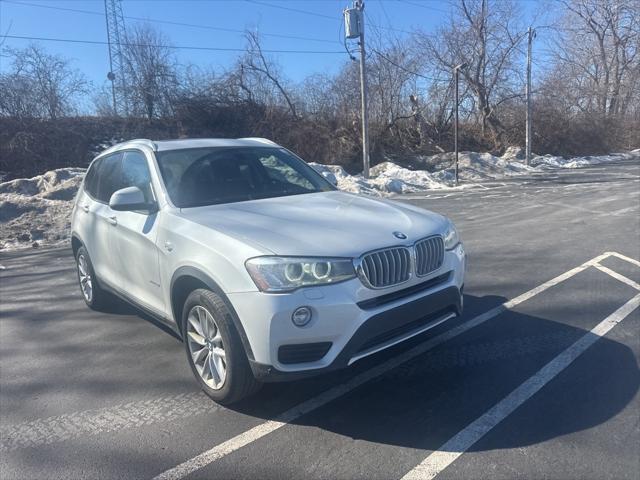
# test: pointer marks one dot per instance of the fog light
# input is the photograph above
(301, 316)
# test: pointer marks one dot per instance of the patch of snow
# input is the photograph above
(35, 211)
(344, 181)
(514, 153)
(391, 178)
(549, 161)
(388, 178)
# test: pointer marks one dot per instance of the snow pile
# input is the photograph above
(484, 166)
(546, 162)
(37, 210)
(349, 183)
(391, 178)
(388, 178)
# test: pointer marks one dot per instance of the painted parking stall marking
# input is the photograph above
(617, 276)
(624, 257)
(463, 440)
(219, 451)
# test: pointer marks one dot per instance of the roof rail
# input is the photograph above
(260, 139)
(144, 141)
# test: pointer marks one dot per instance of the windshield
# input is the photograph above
(207, 176)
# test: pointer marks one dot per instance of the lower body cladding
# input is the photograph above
(348, 321)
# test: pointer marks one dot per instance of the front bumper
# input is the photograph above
(349, 321)
(405, 321)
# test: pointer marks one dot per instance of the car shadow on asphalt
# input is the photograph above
(423, 402)
(117, 306)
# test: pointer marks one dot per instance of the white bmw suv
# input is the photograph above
(258, 262)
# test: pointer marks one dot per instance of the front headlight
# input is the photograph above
(284, 274)
(451, 238)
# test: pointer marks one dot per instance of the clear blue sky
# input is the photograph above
(321, 25)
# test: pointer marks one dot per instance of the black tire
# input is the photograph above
(239, 381)
(98, 298)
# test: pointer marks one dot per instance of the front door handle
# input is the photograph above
(113, 220)
(85, 208)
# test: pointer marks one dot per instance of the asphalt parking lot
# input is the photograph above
(538, 379)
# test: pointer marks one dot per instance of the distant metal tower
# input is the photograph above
(116, 36)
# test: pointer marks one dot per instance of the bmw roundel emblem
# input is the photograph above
(399, 235)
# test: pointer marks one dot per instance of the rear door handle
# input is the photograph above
(168, 246)
(85, 208)
(113, 220)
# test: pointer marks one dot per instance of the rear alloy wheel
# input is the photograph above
(92, 294)
(214, 349)
(84, 276)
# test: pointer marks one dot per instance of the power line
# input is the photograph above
(427, 7)
(319, 15)
(384, 11)
(169, 22)
(383, 56)
(290, 9)
(175, 47)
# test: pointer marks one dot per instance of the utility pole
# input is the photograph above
(354, 28)
(531, 36)
(111, 76)
(456, 74)
(359, 4)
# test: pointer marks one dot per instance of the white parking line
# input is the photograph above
(618, 276)
(291, 415)
(623, 257)
(463, 440)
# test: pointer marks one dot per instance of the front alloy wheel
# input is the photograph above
(214, 349)
(206, 347)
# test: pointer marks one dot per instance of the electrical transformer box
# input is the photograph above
(352, 22)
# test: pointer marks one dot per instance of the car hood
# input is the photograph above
(332, 223)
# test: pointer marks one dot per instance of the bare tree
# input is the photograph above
(486, 36)
(256, 63)
(391, 82)
(151, 72)
(39, 84)
(598, 55)
(316, 95)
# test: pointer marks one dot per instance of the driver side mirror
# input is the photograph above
(130, 199)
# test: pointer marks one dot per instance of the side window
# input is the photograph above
(109, 177)
(91, 179)
(135, 173)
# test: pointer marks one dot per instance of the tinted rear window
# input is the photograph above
(91, 180)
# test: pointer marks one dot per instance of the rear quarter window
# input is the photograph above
(90, 180)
